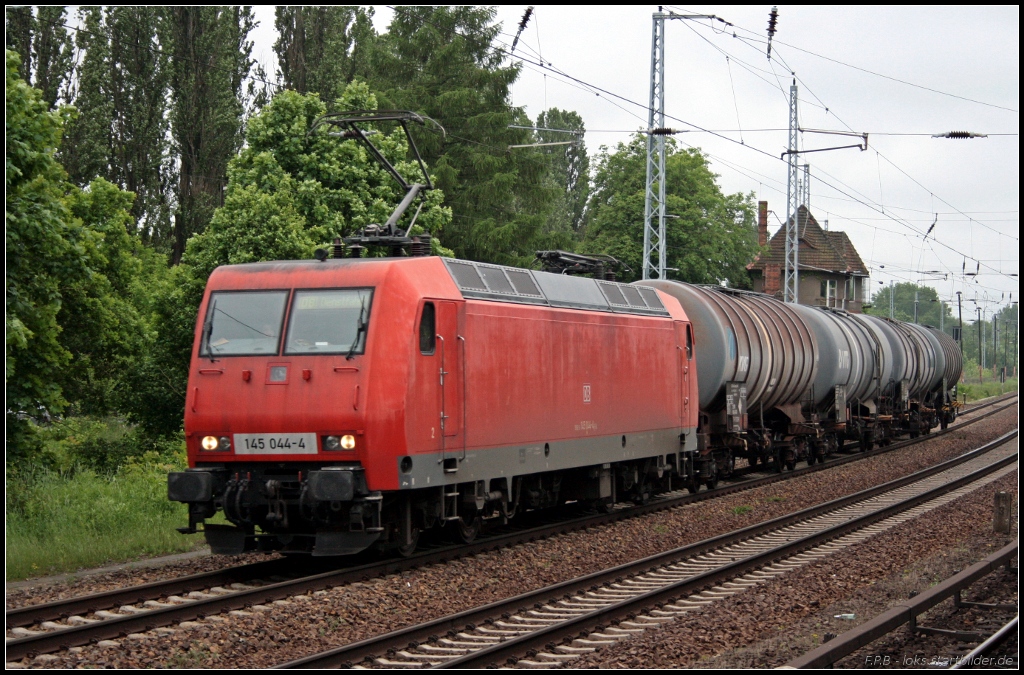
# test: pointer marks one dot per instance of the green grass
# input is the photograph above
(973, 391)
(61, 522)
(740, 510)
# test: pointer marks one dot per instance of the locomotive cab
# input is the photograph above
(298, 370)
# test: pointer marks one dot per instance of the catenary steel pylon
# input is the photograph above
(791, 283)
(654, 194)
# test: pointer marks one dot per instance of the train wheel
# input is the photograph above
(944, 424)
(408, 550)
(712, 481)
(463, 532)
(692, 486)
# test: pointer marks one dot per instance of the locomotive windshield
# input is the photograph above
(243, 323)
(329, 322)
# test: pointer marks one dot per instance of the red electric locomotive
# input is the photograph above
(339, 404)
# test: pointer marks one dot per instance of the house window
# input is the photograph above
(828, 291)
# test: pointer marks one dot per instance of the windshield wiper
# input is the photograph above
(360, 330)
(208, 331)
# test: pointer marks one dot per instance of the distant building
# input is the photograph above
(831, 271)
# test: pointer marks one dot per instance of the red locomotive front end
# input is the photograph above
(334, 405)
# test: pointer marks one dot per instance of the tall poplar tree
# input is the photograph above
(440, 61)
(568, 167)
(321, 49)
(41, 39)
(210, 60)
(140, 159)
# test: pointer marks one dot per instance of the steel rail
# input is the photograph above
(356, 652)
(112, 628)
(986, 647)
(904, 612)
(61, 609)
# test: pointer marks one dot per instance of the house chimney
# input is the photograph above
(762, 224)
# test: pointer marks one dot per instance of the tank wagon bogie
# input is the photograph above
(339, 405)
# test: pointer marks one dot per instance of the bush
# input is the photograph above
(100, 444)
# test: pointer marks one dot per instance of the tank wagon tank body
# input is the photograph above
(781, 383)
(341, 404)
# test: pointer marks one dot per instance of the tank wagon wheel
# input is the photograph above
(406, 551)
(692, 485)
(866, 443)
(712, 481)
(463, 532)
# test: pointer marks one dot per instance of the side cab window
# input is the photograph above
(689, 342)
(428, 334)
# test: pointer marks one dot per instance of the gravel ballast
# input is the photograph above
(775, 622)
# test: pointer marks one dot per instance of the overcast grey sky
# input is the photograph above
(884, 198)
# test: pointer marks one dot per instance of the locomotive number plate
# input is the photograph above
(275, 444)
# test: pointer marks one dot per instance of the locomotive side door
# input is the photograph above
(451, 378)
(684, 350)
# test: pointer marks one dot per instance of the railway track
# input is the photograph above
(559, 623)
(110, 615)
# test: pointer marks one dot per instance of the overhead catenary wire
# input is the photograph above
(868, 202)
(757, 38)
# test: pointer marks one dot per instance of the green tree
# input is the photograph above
(100, 324)
(19, 24)
(906, 295)
(53, 51)
(712, 239)
(138, 84)
(322, 49)
(439, 61)
(39, 254)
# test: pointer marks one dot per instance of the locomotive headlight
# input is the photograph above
(348, 441)
(209, 442)
(332, 443)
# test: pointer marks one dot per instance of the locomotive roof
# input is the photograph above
(482, 281)
(512, 284)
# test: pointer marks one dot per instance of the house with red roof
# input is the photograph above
(831, 272)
